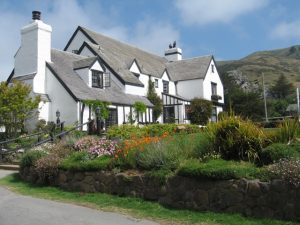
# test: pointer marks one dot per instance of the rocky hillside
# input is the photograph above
(272, 63)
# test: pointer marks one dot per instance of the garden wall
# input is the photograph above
(249, 197)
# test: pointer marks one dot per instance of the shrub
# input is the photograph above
(287, 170)
(218, 169)
(237, 139)
(275, 152)
(200, 111)
(47, 168)
(96, 147)
(30, 157)
(153, 130)
(288, 131)
(169, 152)
(81, 161)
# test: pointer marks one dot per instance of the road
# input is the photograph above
(16, 209)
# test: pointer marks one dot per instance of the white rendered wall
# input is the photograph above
(190, 89)
(215, 78)
(86, 52)
(77, 41)
(134, 68)
(60, 100)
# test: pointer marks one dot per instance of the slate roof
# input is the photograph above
(120, 57)
(84, 63)
(123, 54)
(188, 69)
(62, 67)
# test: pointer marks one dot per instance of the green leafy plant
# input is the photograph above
(155, 100)
(237, 139)
(30, 157)
(102, 105)
(219, 169)
(288, 130)
(200, 111)
(81, 161)
(274, 152)
(139, 108)
(16, 106)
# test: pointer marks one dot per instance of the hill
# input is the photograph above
(272, 63)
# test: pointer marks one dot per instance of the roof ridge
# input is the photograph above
(69, 53)
(196, 57)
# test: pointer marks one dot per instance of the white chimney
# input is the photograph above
(173, 53)
(35, 50)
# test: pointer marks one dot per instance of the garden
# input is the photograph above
(229, 154)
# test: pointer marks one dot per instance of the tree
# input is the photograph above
(282, 88)
(155, 100)
(200, 111)
(16, 106)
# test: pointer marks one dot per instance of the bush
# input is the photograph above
(288, 131)
(237, 139)
(96, 147)
(30, 157)
(170, 151)
(153, 130)
(81, 161)
(287, 170)
(200, 111)
(274, 152)
(219, 169)
(47, 168)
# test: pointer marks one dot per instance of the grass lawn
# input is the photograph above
(132, 206)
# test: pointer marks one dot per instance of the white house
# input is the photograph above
(96, 67)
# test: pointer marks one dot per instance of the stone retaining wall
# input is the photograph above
(249, 197)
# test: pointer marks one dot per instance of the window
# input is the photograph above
(156, 83)
(212, 68)
(213, 88)
(214, 116)
(188, 112)
(106, 77)
(165, 86)
(97, 79)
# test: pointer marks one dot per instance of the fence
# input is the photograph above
(56, 132)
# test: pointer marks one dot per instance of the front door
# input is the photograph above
(169, 114)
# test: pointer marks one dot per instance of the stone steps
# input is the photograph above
(9, 167)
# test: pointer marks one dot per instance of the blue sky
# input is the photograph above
(228, 29)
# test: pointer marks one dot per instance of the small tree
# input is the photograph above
(155, 100)
(282, 88)
(139, 107)
(16, 106)
(200, 111)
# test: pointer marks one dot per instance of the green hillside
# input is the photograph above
(272, 63)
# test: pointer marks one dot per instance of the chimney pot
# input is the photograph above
(36, 15)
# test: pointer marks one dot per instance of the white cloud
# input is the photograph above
(65, 16)
(202, 12)
(153, 36)
(286, 30)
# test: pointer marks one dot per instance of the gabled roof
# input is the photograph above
(124, 54)
(62, 67)
(120, 57)
(114, 63)
(189, 69)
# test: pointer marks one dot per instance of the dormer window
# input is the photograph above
(212, 68)
(97, 79)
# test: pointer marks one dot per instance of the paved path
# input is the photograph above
(17, 209)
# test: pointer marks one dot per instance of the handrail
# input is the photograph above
(11, 140)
